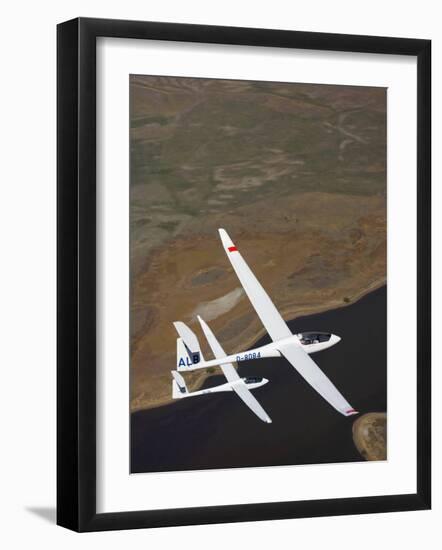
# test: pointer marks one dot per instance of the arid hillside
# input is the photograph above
(294, 172)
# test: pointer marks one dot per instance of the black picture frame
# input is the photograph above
(76, 273)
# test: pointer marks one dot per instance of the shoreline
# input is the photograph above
(369, 435)
(286, 313)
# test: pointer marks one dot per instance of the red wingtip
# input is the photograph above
(232, 249)
(351, 411)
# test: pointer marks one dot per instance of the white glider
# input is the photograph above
(241, 386)
(296, 348)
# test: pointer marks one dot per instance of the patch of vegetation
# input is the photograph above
(141, 121)
(168, 226)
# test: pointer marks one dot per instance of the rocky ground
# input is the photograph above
(370, 436)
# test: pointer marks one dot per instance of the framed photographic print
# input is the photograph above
(243, 274)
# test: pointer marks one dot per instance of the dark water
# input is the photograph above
(219, 431)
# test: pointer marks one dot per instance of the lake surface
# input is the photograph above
(219, 431)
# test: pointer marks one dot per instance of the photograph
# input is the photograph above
(219, 319)
(258, 284)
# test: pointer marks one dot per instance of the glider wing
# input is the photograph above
(264, 307)
(310, 371)
(238, 386)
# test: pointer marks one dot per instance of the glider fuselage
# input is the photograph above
(311, 342)
(250, 382)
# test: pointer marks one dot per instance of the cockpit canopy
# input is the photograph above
(314, 337)
(252, 380)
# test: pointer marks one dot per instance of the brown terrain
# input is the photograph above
(295, 173)
(370, 436)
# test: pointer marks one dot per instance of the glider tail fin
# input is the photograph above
(187, 347)
(179, 388)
